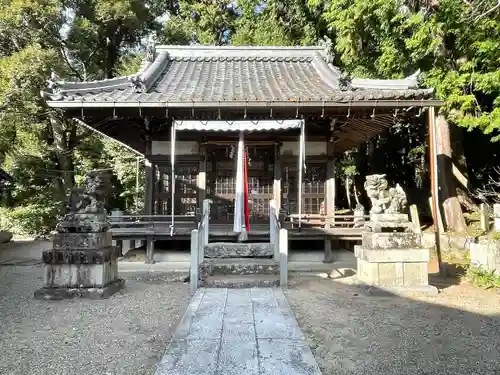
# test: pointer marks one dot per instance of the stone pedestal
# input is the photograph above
(82, 261)
(391, 258)
(80, 265)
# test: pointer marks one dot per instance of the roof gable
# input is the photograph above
(186, 74)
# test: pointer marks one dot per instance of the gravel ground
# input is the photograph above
(125, 334)
(455, 333)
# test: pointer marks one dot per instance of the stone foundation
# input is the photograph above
(80, 275)
(55, 293)
(391, 259)
(82, 262)
(392, 268)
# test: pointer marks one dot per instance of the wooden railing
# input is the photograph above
(279, 239)
(199, 239)
(140, 221)
(337, 220)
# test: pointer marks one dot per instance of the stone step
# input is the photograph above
(239, 266)
(241, 281)
(239, 250)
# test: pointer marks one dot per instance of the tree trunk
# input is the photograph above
(64, 155)
(348, 191)
(356, 196)
(448, 193)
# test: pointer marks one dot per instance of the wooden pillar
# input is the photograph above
(202, 178)
(434, 266)
(330, 186)
(277, 178)
(329, 200)
(149, 185)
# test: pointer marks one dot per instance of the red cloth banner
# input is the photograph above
(246, 210)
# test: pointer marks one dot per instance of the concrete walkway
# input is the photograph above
(238, 331)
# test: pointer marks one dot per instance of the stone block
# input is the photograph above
(390, 274)
(90, 293)
(389, 217)
(84, 223)
(99, 256)
(367, 272)
(235, 266)
(396, 273)
(80, 275)
(415, 274)
(82, 241)
(238, 250)
(392, 255)
(486, 255)
(391, 240)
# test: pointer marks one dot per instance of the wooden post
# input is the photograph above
(150, 249)
(440, 223)
(148, 188)
(195, 262)
(206, 218)
(119, 245)
(277, 178)
(273, 229)
(283, 243)
(415, 219)
(149, 170)
(485, 217)
(452, 209)
(436, 214)
(330, 187)
(328, 250)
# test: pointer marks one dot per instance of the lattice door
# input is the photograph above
(313, 188)
(185, 189)
(221, 182)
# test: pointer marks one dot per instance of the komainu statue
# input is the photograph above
(85, 211)
(384, 200)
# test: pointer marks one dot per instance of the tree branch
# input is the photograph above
(73, 69)
(484, 14)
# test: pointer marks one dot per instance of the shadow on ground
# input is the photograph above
(456, 332)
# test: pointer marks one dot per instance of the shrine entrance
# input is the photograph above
(221, 182)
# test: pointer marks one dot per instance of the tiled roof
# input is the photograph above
(187, 74)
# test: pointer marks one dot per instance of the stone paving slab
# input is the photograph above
(238, 331)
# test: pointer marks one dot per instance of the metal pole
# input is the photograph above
(172, 175)
(301, 170)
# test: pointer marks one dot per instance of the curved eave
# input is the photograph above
(148, 74)
(392, 103)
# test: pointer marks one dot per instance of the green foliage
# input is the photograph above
(482, 279)
(32, 219)
(459, 53)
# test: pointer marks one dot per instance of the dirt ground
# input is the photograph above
(456, 332)
(124, 335)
